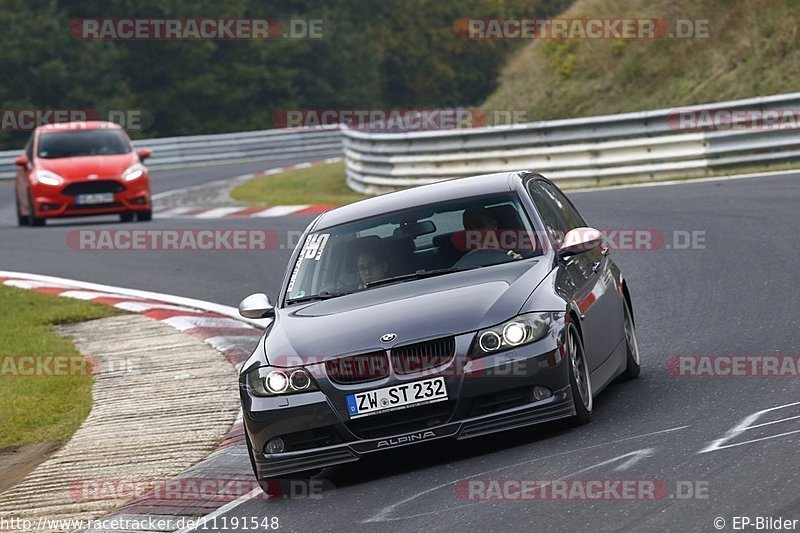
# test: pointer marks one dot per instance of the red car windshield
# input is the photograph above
(58, 144)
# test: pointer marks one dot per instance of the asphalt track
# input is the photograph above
(735, 294)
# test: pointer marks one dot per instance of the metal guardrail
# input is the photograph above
(578, 152)
(199, 150)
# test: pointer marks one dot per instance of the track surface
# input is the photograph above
(736, 296)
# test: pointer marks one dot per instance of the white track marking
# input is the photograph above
(222, 510)
(91, 295)
(747, 424)
(279, 211)
(219, 212)
(183, 323)
(383, 514)
(139, 307)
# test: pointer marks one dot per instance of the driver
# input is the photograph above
(371, 265)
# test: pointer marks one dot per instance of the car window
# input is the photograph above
(557, 212)
(570, 215)
(79, 143)
(457, 234)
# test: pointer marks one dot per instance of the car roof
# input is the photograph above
(442, 191)
(88, 125)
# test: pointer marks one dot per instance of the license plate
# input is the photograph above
(396, 397)
(96, 198)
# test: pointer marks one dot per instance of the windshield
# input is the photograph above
(60, 144)
(403, 246)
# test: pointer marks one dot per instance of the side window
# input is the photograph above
(554, 223)
(569, 214)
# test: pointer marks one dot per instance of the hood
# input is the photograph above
(414, 310)
(105, 166)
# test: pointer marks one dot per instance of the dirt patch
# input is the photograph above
(18, 462)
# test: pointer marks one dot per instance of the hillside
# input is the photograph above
(753, 49)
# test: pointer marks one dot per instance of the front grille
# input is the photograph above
(358, 368)
(93, 187)
(423, 355)
(402, 420)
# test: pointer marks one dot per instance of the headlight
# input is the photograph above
(269, 381)
(520, 330)
(48, 178)
(134, 172)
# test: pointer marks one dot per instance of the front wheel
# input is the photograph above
(144, 216)
(126, 217)
(580, 380)
(33, 220)
(634, 366)
(22, 220)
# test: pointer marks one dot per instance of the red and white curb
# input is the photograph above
(217, 325)
(242, 212)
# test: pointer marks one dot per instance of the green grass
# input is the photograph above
(41, 409)
(753, 50)
(320, 184)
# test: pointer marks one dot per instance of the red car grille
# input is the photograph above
(93, 187)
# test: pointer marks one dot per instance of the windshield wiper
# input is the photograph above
(324, 295)
(419, 274)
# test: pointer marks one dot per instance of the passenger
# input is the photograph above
(478, 218)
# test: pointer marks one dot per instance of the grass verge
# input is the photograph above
(39, 409)
(319, 184)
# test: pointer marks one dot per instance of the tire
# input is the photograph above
(579, 379)
(144, 216)
(22, 220)
(126, 217)
(633, 359)
(33, 220)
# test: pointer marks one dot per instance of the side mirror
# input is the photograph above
(144, 153)
(22, 161)
(580, 240)
(256, 306)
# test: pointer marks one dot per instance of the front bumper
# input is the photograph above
(53, 202)
(556, 407)
(485, 395)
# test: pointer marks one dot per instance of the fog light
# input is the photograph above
(541, 393)
(139, 201)
(275, 445)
